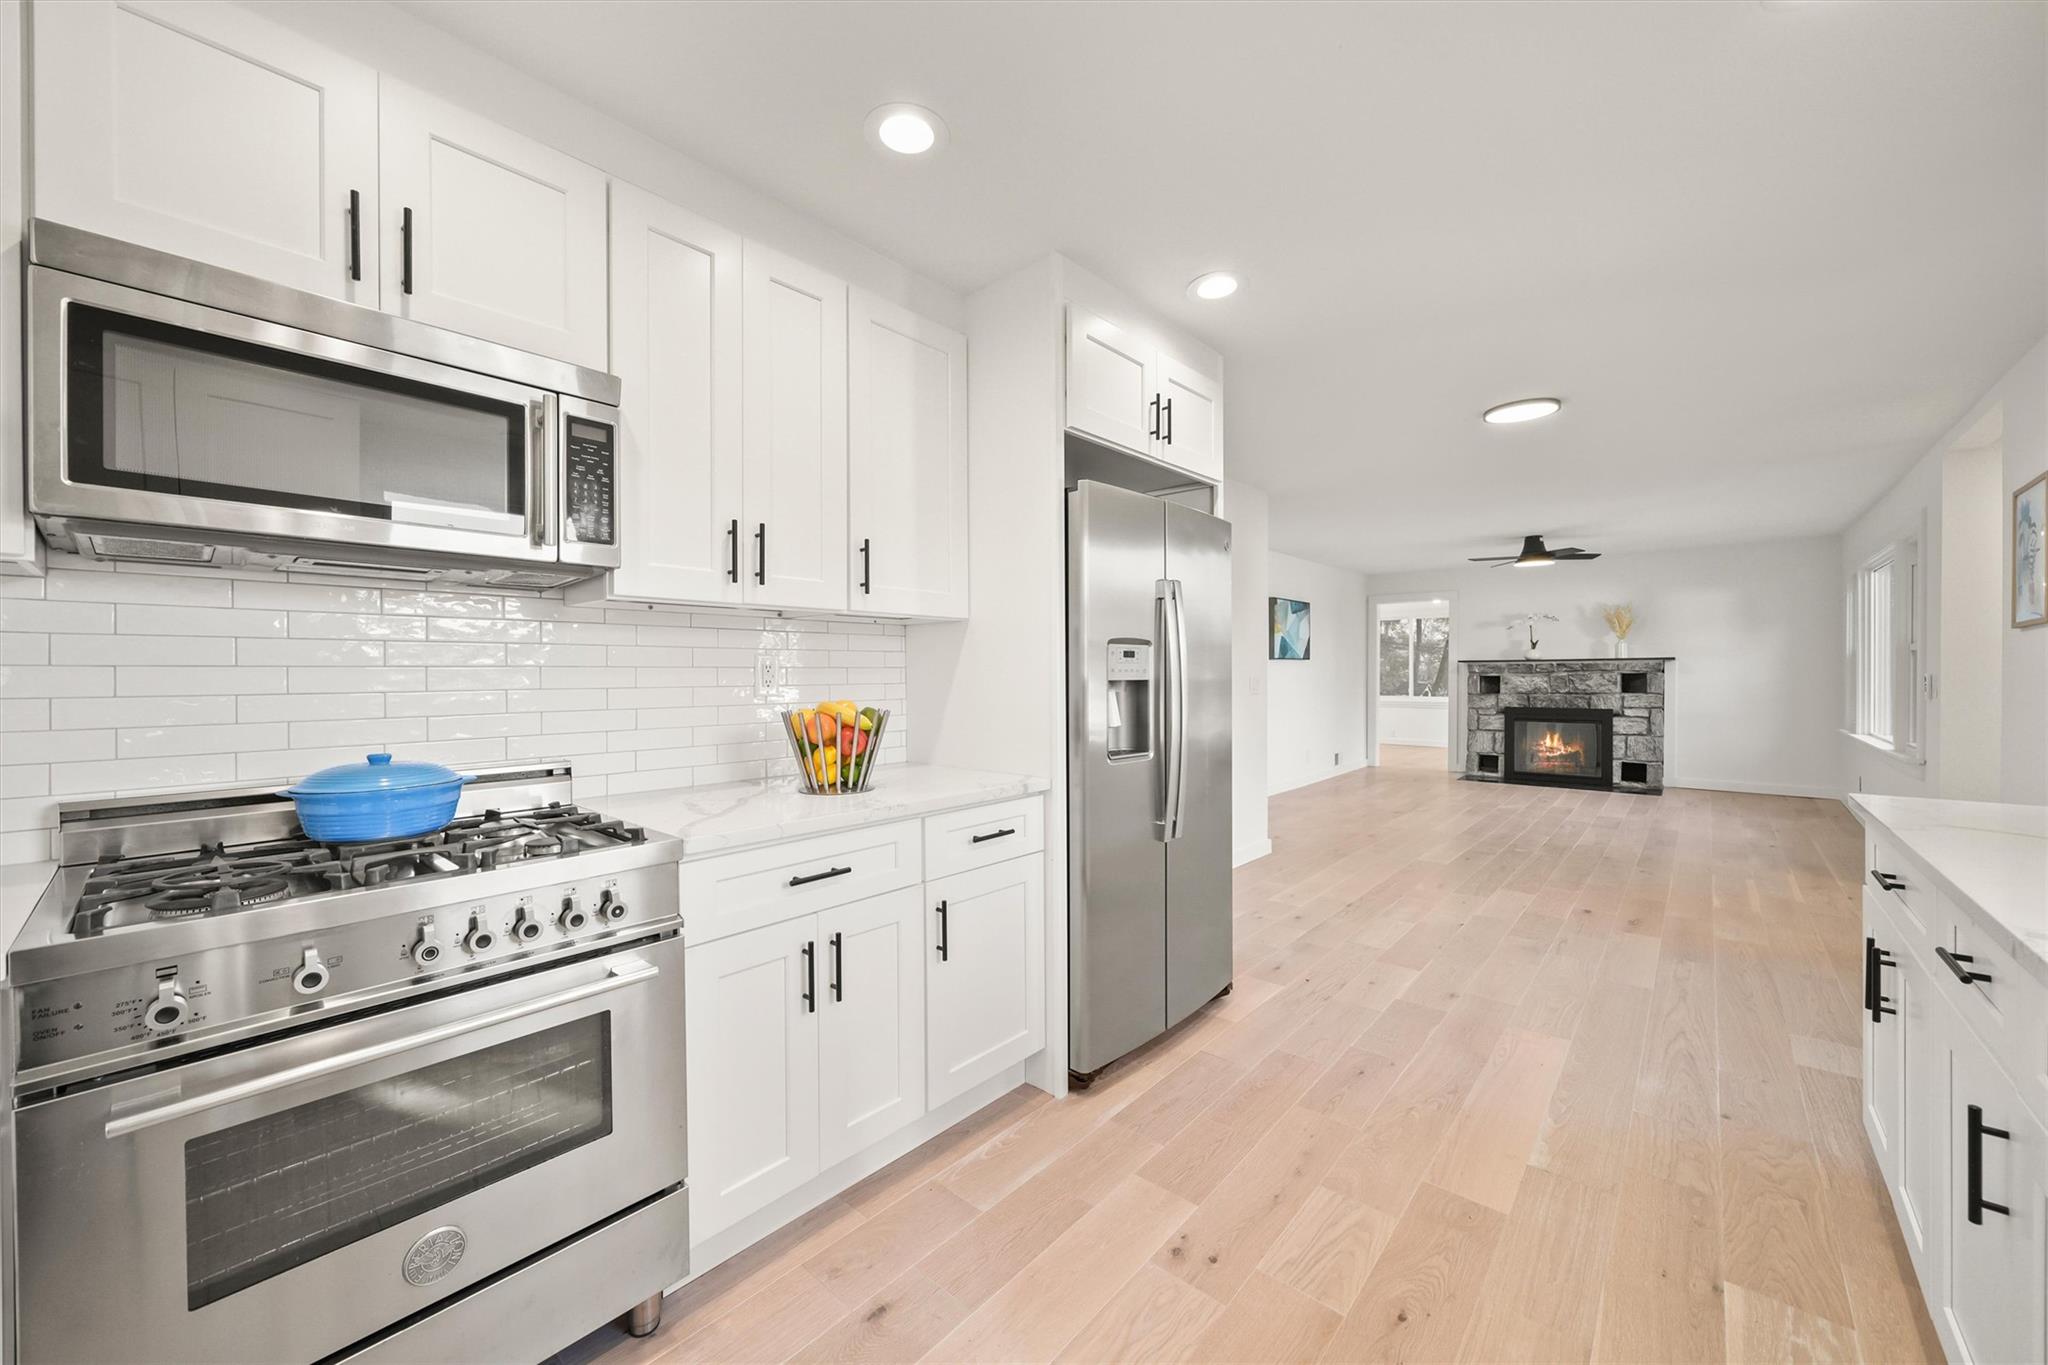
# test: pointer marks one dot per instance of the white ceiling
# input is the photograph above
(1766, 252)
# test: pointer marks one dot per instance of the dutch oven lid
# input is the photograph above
(379, 774)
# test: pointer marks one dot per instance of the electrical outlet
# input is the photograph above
(770, 674)
(1336, 759)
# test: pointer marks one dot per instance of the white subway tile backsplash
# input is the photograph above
(117, 680)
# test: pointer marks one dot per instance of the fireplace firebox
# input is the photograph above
(1558, 747)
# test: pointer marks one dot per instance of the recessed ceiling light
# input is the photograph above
(1521, 410)
(906, 129)
(1217, 284)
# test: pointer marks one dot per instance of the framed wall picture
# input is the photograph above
(2030, 554)
(1289, 632)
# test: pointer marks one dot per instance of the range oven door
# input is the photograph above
(150, 411)
(282, 1202)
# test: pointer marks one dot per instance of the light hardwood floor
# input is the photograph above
(1508, 1074)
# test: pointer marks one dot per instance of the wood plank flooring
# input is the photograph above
(1507, 1074)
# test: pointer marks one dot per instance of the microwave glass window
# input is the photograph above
(287, 1188)
(158, 407)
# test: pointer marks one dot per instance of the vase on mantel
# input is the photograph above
(1620, 648)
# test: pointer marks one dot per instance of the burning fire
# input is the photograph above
(1553, 750)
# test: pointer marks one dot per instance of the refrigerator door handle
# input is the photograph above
(1174, 709)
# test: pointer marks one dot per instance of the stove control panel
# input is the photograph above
(148, 1006)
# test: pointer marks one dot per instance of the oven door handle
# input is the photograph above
(625, 971)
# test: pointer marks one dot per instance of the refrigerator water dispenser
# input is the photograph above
(1129, 702)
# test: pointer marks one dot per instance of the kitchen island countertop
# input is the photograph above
(736, 815)
(1991, 859)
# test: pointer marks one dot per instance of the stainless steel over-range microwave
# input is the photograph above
(182, 413)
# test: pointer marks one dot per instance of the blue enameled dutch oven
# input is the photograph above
(352, 803)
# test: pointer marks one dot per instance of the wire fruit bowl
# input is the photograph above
(828, 762)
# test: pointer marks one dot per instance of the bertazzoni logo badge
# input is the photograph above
(434, 1255)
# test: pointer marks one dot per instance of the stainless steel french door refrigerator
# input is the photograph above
(1148, 738)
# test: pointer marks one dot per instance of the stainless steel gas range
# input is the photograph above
(420, 1100)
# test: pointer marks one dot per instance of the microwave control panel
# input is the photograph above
(588, 482)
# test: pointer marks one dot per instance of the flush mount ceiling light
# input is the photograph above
(1521, 410)
(1217, 284)
(906, 129)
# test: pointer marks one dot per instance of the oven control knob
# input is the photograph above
(312, 976)
(169, 1010)
(425, 951)
(479, 939)
(525, 927)
(610, 906)
(573, 919)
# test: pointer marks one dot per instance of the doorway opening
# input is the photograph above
(1412, 682)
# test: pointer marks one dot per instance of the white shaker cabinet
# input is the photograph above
(675, 327)
(984, 973)
(907, 462)
(1112, 381)
(488, 232)
(1905, 1078)
(793, 434)
(870, 1022)
(753, 1070)
(207, 131)
(1126, 389)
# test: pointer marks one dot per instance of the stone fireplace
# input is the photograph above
(1592, 723)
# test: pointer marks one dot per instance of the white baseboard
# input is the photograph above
(1251, 853)
(1418, 743)
(1296, 783)
(1755, 788)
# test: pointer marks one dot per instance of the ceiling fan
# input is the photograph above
(1535, 556)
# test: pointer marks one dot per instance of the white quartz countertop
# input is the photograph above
(735, 815)
(1991, 859)
(21, 886)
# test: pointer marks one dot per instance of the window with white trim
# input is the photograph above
(1413, 654)
(1883, 647)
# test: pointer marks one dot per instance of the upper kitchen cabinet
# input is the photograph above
(208, 132)
(490, 233)
(793, 434)
(1126, 389)
(675, 321)
(907, 432)
(18, 543)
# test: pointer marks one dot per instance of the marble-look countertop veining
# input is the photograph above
(21, 886)
(734, 815)
(1991, 859)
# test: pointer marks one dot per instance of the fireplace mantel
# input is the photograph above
(1634, 691)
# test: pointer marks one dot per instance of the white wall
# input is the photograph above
(1755, 693)
(1245, 508)
(1424, 721)
(2016, 407)
(1972, 609)
(1315, 714)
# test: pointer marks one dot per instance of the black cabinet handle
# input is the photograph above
(819, 876)
(810, 978)
(1166, 417)
(942, 931)
(866, 564)
(1875, 960)
(761, 552)
(1978, 1132)
(836, 971)
(732, 568)
(1886, 881)
(984, 838)
(405, 254)
(1154, 432)
(1954, 962)
(355, 234)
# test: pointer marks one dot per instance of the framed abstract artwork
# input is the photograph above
(1289, 628)
(2030, 554)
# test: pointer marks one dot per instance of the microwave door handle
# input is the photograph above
(629, 970)
(539, 465)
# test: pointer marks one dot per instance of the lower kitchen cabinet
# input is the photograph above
(870, 1022)
(807, 1046)
(753, 1070)
(984, 973)
(1905, 1083)
(1995, 1290)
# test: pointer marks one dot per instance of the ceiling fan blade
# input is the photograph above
(1575, 554)
(1568, 550)
(1492, 559)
